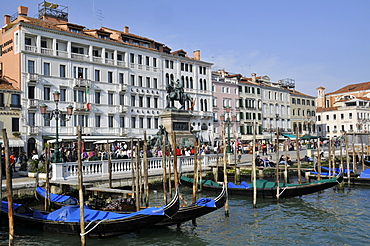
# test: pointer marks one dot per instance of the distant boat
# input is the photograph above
(100, 224)
(201, 207)
(268, 189)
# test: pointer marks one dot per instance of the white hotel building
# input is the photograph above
(115, 80)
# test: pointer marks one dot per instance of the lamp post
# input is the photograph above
(57, 114)
(225, 118)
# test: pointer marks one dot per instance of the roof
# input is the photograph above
(5, 85)
(352, 88)
(326, 109)
(300, 94)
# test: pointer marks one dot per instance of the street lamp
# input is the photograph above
(225, 118)
(57, 114)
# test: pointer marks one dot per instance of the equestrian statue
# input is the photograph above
(175, 92)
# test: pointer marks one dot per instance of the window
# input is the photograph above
(15, 124)
(122, 121)
(31, 119)
(149, 123)
(110, 77)
(97, 75)
(147, 59)
(47, 93)
(133, 101)
(334, 116)
(31, 66)
(154, 62)
(148, 102)
(140, 101)
(148, 82)
(97, 97)
(46, 69)
(133, 122)
(327, 117)
(155, 83)
(62, 71)
(140, 59)
(62, 94)
(110, 120)
(81, 119)
(63, 122)
(132, 79)
(2, 99)
(155, 104)
(141, 122)
(293, 100)
(350, 116)
(120, 78)
(140, 81)
(97, 120)
(298, 101)
(156, 123)
(132, 58)
(46, 119)
(110, 98)
(79, 96)
(342, 116)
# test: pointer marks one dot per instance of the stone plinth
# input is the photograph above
(178, 121)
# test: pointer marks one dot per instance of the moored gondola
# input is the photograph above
(201, 207)
(268, 189)
(56, 201)
(99, 224)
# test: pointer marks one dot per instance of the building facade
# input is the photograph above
(346, 110)
(115, 81)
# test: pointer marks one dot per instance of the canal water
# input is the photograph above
(328, 218)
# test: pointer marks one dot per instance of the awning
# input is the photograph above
(14, 142)
(104, 141)
(289, 136)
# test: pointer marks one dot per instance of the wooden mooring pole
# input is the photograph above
(146, 180)
(225, 172)
(80, 188)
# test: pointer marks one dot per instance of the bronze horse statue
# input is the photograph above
(175, 92)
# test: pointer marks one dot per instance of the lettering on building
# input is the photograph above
(6, 47)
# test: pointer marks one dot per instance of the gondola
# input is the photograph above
(99, 224)
(56, 201)
(268, 189)
(201, 207)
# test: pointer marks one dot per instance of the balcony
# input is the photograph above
(123, 132)
(97, 59)
(33, 103)
(122, 109)
(33, 130)
(80, 57)
(47, 51)
(62, 53)
(123, 87)
(109, 61)
(33, 77)
(81, 82)
(84, 131)
(30, 48)
(121, 63)
(79, 106)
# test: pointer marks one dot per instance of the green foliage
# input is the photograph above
(41, 166)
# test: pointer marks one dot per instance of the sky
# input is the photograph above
(314, 42)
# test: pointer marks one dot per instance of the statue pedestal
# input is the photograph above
(178, 121)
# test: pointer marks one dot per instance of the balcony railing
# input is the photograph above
(109, 61)
(80, 106)
(81, 82)
(30, 48)
(33, 130)
(33, 103)
(33, 77)
(121, 63)
(80, 57)
(97, 59)
(47, 51)
(62, 53)
(123, 132)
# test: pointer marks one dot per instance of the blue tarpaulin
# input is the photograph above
(55, 197)
(243, 185)
(206, 202)
(365, 174)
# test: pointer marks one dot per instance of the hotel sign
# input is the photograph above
(6, 47)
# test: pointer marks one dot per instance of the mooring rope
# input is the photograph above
(281, 192)
(83, 234)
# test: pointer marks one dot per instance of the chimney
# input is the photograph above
(125, 29)
(253, 77)
(196, 55)
(22, 10)
(6, 19)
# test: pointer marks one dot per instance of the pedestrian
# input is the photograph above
(23, 160)
(12, 161)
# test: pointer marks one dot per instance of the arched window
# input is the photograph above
(191, 83)
(205, 105)
(172, 77)
(201, 104)
(205, 85)
(182, 81)
(187, 82)
(241, 115)
(200, 84)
